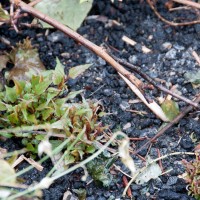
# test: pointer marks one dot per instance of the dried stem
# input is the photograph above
(150, 80)
(188, 3)
(77, 37)
(169, 125)
(169, 22)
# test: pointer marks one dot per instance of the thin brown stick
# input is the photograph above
(77, 37)
(169, 22)
(125, 181)
(150, 80)
(169, 125)
(160, 161)
(188, 3)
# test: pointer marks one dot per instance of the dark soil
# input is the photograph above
(170, 58)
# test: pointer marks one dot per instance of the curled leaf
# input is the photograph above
(26, 60)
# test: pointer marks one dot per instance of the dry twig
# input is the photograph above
(151, 81)
(74, 35)
(151, 4)
(169, 125)
(188, 3)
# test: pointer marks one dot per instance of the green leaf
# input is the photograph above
(73, 94)
(97, 170)
(102, 114)
(69, 159)
(31, 118)
(170, 108)
(40, 137)
(78, 70)
(42, 86)
(52, 92)
(47, 113)
(83, 111)
(58, 125)
(6, 171)
(90, 149)
(2, 106)
(11, 94)
(19, 86)
(13, 118)
(30, 147)
(55, 143)
(68, 12)
(193, 77)
(4, 16)
(59, 74)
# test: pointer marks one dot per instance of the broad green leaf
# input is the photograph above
(170, 108)
(68, 12)
(11, 94)
(6, 171)
(59, 74)
(78, 70)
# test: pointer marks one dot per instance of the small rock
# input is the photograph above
(169, 195)
(133, 59)
(55, 36)
(172, 180)
(108, 92)
(186, 142)
(178, 47)
(171, 54)
(101, 61)
(124, 105)
(126, 126)
(166, 46)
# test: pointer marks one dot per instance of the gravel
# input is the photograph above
(169, 59)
